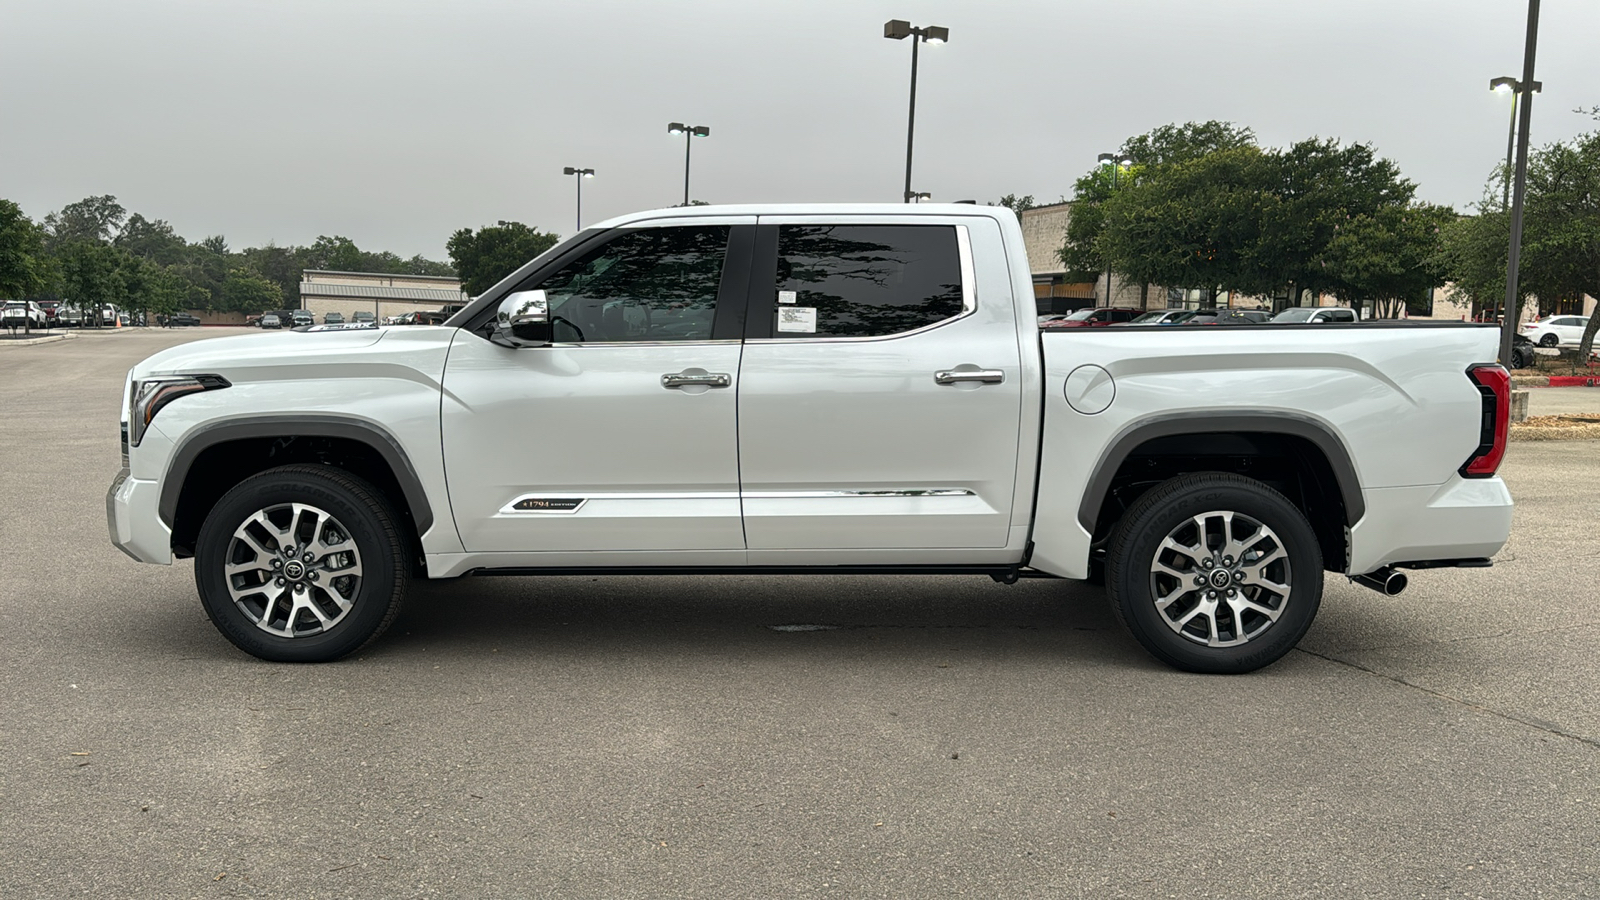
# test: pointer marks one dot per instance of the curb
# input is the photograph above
(29, 342)
(1527, 381)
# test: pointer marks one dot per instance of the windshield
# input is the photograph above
(1298, 314)
(1149, 318)
(1080, 315)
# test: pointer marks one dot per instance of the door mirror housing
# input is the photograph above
(523, 320)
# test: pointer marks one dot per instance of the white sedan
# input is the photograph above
(1553, 330)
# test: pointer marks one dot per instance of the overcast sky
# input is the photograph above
(396, 122)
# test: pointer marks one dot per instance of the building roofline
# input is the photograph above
(304, 272)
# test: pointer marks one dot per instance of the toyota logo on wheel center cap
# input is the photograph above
(294, 569)
(1219, 578)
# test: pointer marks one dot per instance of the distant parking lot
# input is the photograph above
(661, 737)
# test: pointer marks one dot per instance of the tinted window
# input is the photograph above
(653, 284)
(865, 280)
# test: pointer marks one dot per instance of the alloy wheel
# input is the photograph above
(293, 570)
(1220, 578)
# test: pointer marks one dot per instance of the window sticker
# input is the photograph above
(798, 319)
(788, 296)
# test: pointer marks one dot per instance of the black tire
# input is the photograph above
(359, 514)
(1171, 510)
(1548, 340)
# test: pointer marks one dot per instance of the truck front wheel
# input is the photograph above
(301, 564)
(1214, 572)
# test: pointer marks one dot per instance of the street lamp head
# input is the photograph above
(1107, 159)
(934, 34)
(700, 131)
(1503, 85)
(586, 173)
(676, 128)
(568, 170)
(1125, 162)
(581, 173)
(918, 196)
(897, 29)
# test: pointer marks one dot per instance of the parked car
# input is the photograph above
(1161, 317)
(253, 321)
(1095, 318)
(271, 320)
(52, 312)
(333, 318)
(1553, 330)
(70, 316)
(1307, 315)
(24, 314)
(362, 315)
(182, 319)
(1522, 354)
(1229, 317)
(1211, 481)
(300, 318)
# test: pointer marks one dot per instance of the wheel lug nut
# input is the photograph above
(313, 576)
(277, 564)
(299, 587)
(1227, 560)
(280, 581)
(1208, 563)
(1200, 580)
(307, 557)
(1231, 592)
(1238, 575)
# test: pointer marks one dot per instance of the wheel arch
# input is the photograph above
(228, 452)
(1301, 447)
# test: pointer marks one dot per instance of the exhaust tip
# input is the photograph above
(1385, 581)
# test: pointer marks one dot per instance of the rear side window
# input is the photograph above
(865, 280)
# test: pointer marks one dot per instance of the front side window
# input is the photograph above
(653, 284)
(865, 280)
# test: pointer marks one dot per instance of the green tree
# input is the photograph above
(1561, 228)
(1152, 154)
(153, 240)
(1388, 259)
(91, 275)
(494, 251)
(23, 268)
(1560, 238)
(247, 292)
(90, 219)
(1016, 204)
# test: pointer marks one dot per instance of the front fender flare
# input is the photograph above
(375, 436)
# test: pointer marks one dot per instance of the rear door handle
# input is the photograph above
(982, 376)
(684, 379)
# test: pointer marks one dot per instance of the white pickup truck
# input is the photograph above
(811, 389)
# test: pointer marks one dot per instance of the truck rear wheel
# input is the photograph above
(301, 564)
(1214, 572)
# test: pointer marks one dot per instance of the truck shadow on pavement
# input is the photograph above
(670, 614)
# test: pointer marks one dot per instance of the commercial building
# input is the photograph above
(322, 292)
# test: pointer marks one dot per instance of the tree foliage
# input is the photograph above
(94, 252)
(1560, 257)
(494, 251)
(1203, 207)
(23, 268)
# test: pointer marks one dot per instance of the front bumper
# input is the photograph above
(135, 523)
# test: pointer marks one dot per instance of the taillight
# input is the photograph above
(1494, 383)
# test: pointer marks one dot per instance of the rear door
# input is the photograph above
(880, 394)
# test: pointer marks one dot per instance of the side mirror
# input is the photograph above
(523, 320)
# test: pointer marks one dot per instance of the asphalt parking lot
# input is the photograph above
(656, 737)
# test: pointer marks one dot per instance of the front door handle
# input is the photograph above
(981, 376)
(685, 379)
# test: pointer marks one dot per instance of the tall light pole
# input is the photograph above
(1525, 85)
(689, 132)
(581, 175)
(1117, 163)
(1508, 85)
(898, 30)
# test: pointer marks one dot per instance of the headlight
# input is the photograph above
(146, 397)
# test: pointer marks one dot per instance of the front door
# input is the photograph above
(621, 435)
(880, 400)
